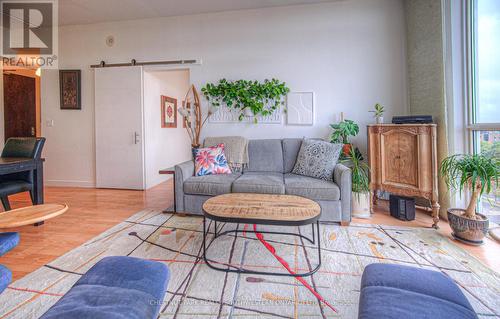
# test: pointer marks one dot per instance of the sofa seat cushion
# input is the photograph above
(5, 277)
(8, 241)
(115, 288)
(310, 187)
(260, 183)
(395, 291)
(210, 185)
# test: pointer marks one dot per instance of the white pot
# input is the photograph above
(380, 120)
(361, 205)
(247, 112)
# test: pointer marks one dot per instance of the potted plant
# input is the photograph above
(477, 173)
(341, 133)
(360, 184)
(378, 113)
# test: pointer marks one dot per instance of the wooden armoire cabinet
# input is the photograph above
(403, 161)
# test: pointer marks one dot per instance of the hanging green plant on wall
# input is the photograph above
(247, 96)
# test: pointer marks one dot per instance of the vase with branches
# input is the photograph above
(192, 115)
(479, 174)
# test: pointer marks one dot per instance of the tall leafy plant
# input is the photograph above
(343, 130)
(359, 171)
(260, 98)
(479, 173)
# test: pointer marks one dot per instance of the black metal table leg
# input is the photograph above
(319, 244)
(246, 271)
(314, 237)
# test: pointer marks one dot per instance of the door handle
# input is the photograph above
(32, 131)
(136, 138)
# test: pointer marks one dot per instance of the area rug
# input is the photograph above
(197, 291)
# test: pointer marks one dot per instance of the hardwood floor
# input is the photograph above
(92, 211)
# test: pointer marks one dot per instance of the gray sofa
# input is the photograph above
(269, 172)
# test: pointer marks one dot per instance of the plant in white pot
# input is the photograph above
(360, 184)
(479, 174)
(378, 113)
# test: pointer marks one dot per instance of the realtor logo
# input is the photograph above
(29, 33)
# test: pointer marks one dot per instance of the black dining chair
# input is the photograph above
(19, 147)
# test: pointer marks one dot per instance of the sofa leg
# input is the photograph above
(345, 223)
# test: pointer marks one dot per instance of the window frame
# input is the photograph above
(473, 126)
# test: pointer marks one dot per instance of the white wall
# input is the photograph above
(164, 147)
(70, 149)
(350, 53)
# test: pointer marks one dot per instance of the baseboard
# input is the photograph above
(64, 183)
(158, 181)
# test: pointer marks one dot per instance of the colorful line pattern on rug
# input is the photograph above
(196, 291)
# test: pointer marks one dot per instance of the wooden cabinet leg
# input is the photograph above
(435, 214)
(345, 223)
(374, 198)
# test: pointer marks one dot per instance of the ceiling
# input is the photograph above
(73, 12)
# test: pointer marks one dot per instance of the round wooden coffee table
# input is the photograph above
(31, 215)
(262, 209)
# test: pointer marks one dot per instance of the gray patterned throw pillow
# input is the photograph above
(317, 159)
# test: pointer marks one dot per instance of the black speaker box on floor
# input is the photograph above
(402, 207)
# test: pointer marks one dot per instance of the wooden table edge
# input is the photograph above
(259, 221)
(31, 221)
(264, 221)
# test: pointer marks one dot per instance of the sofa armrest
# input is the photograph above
(182, 172)
(343, 178)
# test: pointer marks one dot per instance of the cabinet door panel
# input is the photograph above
(408, 154)
(390, 157)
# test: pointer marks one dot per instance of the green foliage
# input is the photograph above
(379, 110)
(343, 130)
(492, 149)
(261, 98)
(360, 171)
(466, 171)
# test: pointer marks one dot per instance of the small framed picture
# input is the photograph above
(168, 112)
(70, 89)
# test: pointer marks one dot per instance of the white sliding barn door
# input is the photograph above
(119, 128)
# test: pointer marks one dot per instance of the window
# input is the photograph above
(484, 113)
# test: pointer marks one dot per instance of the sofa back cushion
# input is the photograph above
(265, 156)
(291, 147)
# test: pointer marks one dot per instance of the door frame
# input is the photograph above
(159, 68)
(144, 69)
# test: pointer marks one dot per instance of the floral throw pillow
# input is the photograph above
(317, 159)
(210, 161)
